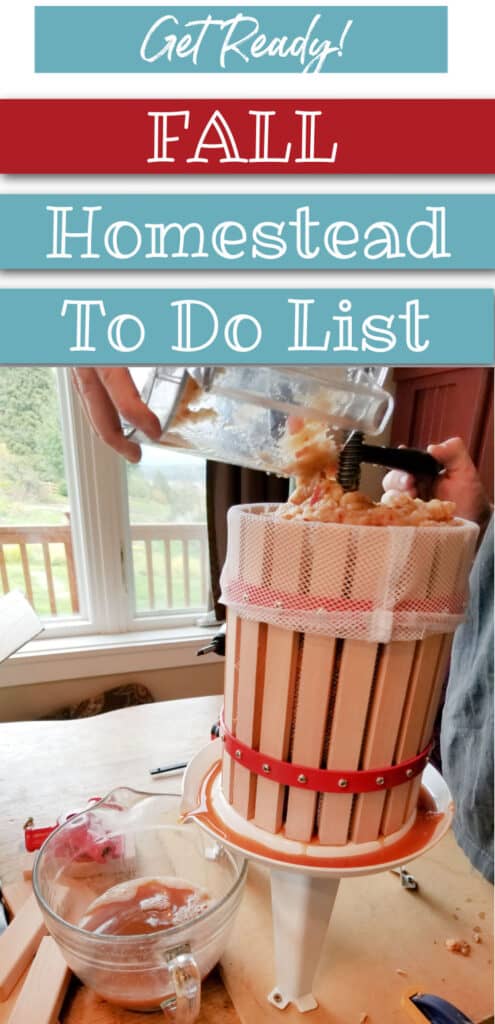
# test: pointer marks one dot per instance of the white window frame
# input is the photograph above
(107, 637)
(97, 487)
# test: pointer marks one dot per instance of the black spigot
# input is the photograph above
(216, 644)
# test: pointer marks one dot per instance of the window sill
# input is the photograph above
(54, 659)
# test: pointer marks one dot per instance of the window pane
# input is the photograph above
(167, 512)
(36, 554)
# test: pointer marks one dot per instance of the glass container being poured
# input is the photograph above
(245, 415)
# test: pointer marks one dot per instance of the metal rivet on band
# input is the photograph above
(266, 769)
(245, 597)
(238, 755)
(380, 781)
(302, 779)
(343, 783)
(409, 773)
(278, 604)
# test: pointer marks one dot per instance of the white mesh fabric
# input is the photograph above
(376, 583)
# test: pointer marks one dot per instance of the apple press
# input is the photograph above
(336, 649)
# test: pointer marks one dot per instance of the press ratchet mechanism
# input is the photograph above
(354, 452)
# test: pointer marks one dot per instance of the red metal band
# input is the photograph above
(323, 780)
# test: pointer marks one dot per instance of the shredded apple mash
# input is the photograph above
(312, 458)
(184, 413)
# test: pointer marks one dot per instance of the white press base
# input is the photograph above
(303, 1005)
(302, 895)
(301, 907)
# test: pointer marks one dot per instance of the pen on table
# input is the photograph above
(166, 768)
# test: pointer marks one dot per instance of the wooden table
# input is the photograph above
(377, 929)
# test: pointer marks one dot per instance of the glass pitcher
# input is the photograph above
(239, 414)
(131, 835)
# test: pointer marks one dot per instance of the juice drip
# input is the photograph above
(142, 906)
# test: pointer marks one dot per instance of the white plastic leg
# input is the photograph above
(302, 906)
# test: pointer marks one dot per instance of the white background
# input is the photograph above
(471, 75)
(471, 62)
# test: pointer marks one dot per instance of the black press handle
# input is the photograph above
(409, 460)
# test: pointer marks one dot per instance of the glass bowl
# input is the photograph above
(131, 835)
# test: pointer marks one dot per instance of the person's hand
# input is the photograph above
(460, 482)
(107, 391)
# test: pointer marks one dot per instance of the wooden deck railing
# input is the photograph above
(169, 551)
(20, 538)
(172, 556)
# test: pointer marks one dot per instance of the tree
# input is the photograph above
(29, 424)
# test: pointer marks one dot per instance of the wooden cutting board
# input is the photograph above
(84, 1007)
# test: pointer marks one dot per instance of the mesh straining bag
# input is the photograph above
(374, 583)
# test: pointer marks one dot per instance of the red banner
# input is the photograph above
(160, 136)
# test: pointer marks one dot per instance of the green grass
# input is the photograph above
(13, 514)
(187, 506)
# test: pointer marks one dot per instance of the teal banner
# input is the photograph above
(299, 326)
(247, 232)
(246, 40)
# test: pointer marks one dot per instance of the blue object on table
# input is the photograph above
(439, 1011)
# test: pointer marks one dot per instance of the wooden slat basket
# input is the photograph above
(324, 700)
